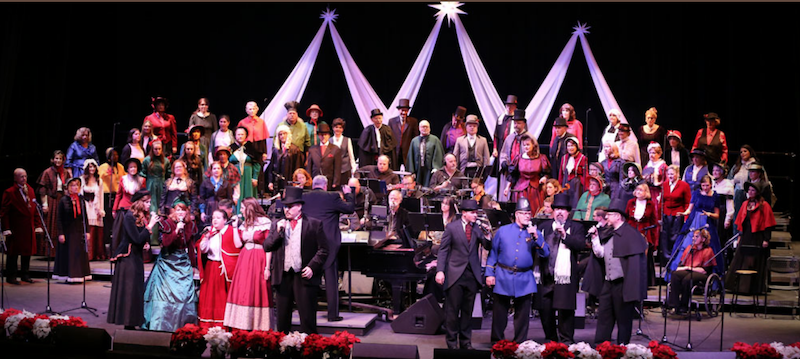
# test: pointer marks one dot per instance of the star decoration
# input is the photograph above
(581, 28)
(329, 15)
(449, 9)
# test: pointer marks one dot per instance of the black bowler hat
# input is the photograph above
(134, 160)
(759, 186)
(699, 152)
(375, 112)
(156, 100)
(469, 205)
(560, 121)
(293, 195)
(323, 128)
(625, 127)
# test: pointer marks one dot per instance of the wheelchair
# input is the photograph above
(706, 295)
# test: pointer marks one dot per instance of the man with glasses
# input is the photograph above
(509, 270)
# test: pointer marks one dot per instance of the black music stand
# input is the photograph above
(497, 218)
(426, 222)
(411, 204)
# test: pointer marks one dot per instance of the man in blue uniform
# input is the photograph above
(510, 270)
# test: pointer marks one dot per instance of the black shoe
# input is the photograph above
(12, 281)
(337, 319)
(28, 279)
(467, 347)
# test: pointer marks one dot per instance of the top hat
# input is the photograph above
(323, 128)
(139, 195)
(698, 151)
(375, 112)
(560, 121)
(469, 205)
(403, 103)
(291, 106)
(472, 119)
(523, 205)
(461, 111)
(674, 133)
(519, 115)
(561, 200)
(199, 128)
(134, 160)
(625, 127)
(618, 205)
(511, 100)
(293, 195)
(312, 108)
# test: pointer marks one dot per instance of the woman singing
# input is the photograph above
(217, 265)
(126, 303)
(170, 296)
(72, 261)
(697, 262)
(250, 294)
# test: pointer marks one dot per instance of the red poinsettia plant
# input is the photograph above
(505, 349)
(611, 351)
(24, 329)
(263, 343)
(338, 345)
(188, 340)
(661, 351)
(7, 313)
(755, 351)
(554, 350)
(237, 344)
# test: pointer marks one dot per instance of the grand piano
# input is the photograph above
(401, 267)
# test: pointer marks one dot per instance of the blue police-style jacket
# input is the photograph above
(511, 248)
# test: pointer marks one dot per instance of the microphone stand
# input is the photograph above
(641, 302)
(50, 247)
(86, 250)
(2, 265)
(668, 264)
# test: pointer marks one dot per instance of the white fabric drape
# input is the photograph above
(603, 91)
(489, 103)
(295, 85)
(364, 96)
(541, 106)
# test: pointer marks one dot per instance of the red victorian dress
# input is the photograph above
(217, 263)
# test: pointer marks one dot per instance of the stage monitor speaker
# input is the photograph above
(139, 341)
(423, 317)
(384, 351)
(440, 353)
(93, 341)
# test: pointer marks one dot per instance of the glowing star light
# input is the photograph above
(581, 28)
(329, 15)
(449, 9)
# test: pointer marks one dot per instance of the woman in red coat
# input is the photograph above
(641, 212)
(573, 173)
(217, 263)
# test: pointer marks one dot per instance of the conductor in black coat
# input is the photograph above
(617, 274)
(559, 286)
(459, 271)
(326, 207)
(296, 272)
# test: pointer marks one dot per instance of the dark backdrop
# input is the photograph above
(63, 66)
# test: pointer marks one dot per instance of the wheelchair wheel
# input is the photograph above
(713, 295)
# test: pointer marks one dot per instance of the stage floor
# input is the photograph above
(705, 334)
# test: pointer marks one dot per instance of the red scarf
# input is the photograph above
(76, 208)
(60, 170)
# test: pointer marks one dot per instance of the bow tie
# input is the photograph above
(612, 129)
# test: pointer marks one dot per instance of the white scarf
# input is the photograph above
(563, 270)
(131, 185)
